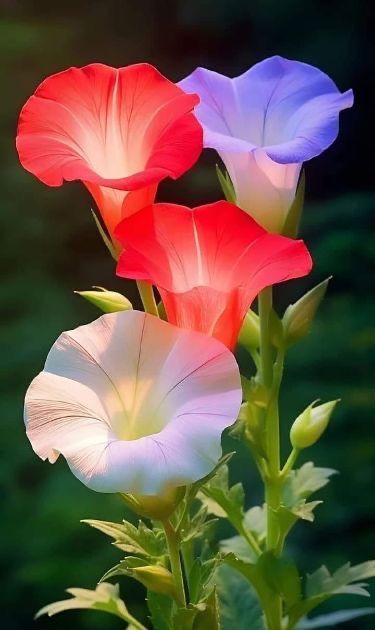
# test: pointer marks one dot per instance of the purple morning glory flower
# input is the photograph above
(264, 124)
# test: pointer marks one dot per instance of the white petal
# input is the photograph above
(133, 403)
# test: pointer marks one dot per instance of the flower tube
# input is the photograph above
(119, 131)
(208, 263)
(264, 124)
(134, 404)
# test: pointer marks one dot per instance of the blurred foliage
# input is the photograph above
(49, 247)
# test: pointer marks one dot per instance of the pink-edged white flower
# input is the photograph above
(264, 124)
(134, 404)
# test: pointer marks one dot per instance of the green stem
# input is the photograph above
(250, 539)
(146, 293)
(175, 560)
(266, 361)
(270, 375)
(289, 463)
(133, 622)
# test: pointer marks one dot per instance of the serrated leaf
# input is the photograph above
(141, 540)
(197, 526)
(303, 482)
(124, 567)
(105, 597)
(334, 618)
(322, 585)
(282, 577)
(238, 546)
(201, 578)
(239, 605)
(222, 500)
(322, 582)
(255, 520)
(160, 607)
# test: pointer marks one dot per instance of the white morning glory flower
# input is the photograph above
(134, 404)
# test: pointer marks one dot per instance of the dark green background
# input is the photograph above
(49, 247)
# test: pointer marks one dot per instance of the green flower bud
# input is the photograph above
(158, 507)
(299, 316)
(156, 578)
(107, 301)
(249, 335)
(311, 424)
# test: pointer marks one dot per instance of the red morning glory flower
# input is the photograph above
(119, 131)
(208, 263)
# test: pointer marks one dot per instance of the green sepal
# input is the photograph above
(106, 301)
(106, 598)
(139, 541)
(299, 316)
(107, 241)
(293, 218)
(226, 184)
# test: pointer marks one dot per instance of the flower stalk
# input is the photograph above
(175, 561)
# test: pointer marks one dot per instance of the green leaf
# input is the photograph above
(334, 618)
(303, 482)
(322, 585)
(161, 608)
(141, 540)
(226, 184)
(124, 567)
(239, 605)
(256, 521)
(198, 526)
(106, 598)
(293, 219)
(238, 546)
(224, 501)
(209, 617)
(341, 581)
(282, 576)
(201, 578)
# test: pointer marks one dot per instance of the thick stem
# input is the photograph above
(175, 560)
(147, 296)
(271, 377)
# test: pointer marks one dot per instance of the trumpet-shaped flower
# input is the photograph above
(264, 124)
(133, 403)
(209, 263)
(120, 131)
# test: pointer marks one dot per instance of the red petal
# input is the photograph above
(209, 263)
(124, 128)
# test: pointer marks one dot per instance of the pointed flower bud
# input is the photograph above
(311, 424)
(299, 316)
(249, 335)
(107, 301)
(156, 578)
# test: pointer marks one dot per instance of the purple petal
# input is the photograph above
(289, 108)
